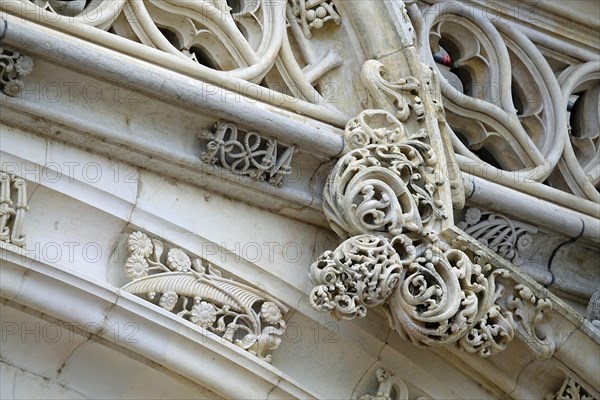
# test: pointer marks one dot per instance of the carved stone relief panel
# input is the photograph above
(571, 390)
(436, 290)
(507, 238)
(13, 67)
(247, 154)
(193, 289)
(390, 388)
(13, 206)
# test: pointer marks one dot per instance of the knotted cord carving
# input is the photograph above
(252, 156)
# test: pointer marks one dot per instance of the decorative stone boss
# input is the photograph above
(382, 198)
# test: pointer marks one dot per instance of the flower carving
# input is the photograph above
(270, 313)
(136, 267)
(177, 260)
(13, 67)
(24, 65)
(524, 242)
(14, 87)
(139, 243)
(237, 313)
(203, 313)
(168, 300)
(473, 216)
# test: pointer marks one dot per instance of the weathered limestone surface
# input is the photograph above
(299, 199)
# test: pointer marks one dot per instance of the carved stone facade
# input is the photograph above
(299, 199)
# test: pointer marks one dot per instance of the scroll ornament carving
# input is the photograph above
(13, 67)
(507, 238)
(402, 93)
(382, 198)
(251, 155)
(386, 183)
(571, 390)
(388, 386)
(361, 273)
(194, 290)
(529, 311)
(445, 298)
(13, 206)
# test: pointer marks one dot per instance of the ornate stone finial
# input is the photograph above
(196, 291)
(13, 66)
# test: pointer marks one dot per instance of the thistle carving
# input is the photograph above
(194, 290)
